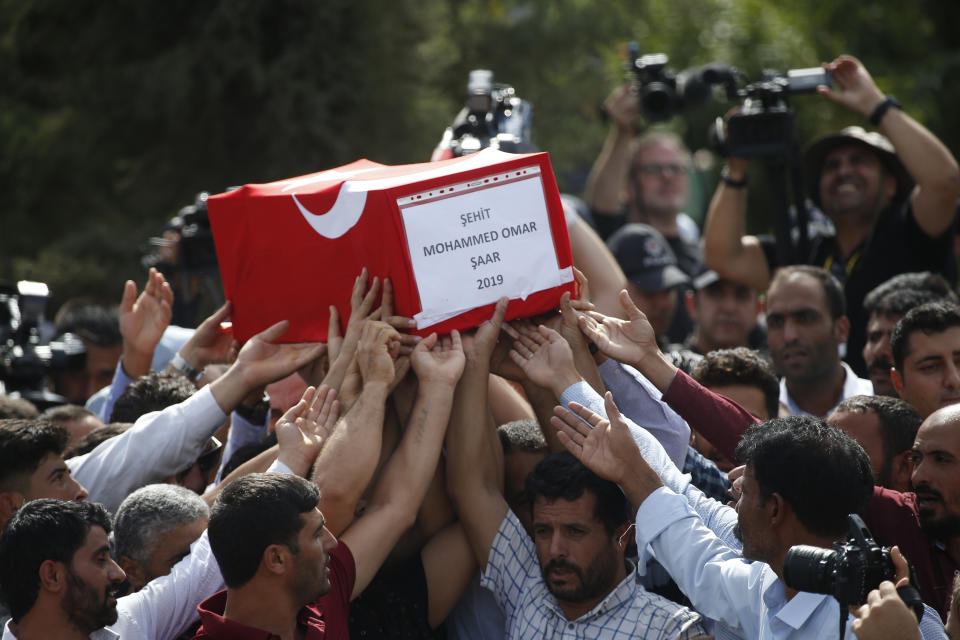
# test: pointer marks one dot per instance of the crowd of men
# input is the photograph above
(638, 464)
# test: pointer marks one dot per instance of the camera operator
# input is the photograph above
(890, 197)
(645, 180)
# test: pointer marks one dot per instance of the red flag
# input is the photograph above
(290, 249)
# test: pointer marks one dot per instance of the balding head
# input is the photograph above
(936, 474)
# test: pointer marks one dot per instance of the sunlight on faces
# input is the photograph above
(931, 370)
(93, 579)
(663, 189)
(803, 339)
(853, 180)
(52, 479)
(311, 578)
(877, 353)
(725, 313)
(936, 473)
(752, 521)
(578, 559)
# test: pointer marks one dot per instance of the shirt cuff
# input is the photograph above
(662, 508)
(279, 467)
(582, 393)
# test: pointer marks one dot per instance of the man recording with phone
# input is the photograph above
(890, 196)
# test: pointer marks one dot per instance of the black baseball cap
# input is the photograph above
(646, 258)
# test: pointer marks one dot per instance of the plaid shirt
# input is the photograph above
(628, 611)
(705, 476)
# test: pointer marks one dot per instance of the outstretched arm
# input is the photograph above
(632, 342)
(162, 443)
(474, 455)
(927, 160)
(349, 459)
(401, 487)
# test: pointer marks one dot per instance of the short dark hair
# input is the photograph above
(821, 472)
(832, 289)
(66, 413)
(42, 530)
(561, 476)
(930, 318)
(95, 438)
(740, 366)
(23, 446)
(522, 435)
(153, 392)
(94, 322)
(251, 514)
(16, 408)
(898, 419)
(904, 291)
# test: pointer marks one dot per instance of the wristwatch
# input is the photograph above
(185, 368)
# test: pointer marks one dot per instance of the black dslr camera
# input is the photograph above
(849, 571)
(27, 357)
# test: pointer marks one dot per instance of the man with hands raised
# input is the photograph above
(573, 574)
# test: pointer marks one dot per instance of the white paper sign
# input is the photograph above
(474, 242)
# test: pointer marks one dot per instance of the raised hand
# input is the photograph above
(143, 319)
(303, 429)
(439, 361)
(262, 361)
(858, 91)
(211, 343)
(606, 447)
(545, 358)
(629, 340)
(479, 345)
(400, 323)
(374, 356)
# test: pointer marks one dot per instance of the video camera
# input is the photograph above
(193, 252)
(849, 571)
(493, 116)
(765, 124)
(26, 358)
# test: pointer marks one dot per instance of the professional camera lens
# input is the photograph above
(809, 568)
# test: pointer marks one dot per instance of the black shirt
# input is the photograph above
(896, 245)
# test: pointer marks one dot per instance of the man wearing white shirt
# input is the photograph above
(806, 324)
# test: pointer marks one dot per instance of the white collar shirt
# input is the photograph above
(852, 386)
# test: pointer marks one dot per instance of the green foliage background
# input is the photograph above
(115, 114)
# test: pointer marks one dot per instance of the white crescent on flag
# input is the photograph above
(341, 217)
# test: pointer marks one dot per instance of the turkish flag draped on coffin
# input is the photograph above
(453, 237)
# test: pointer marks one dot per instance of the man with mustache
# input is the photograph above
(890, 197)
(806, 324)
(885, 305)
(56, 571)
(571, 579)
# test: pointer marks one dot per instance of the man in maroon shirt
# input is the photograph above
(285, 572)
(287, 576)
